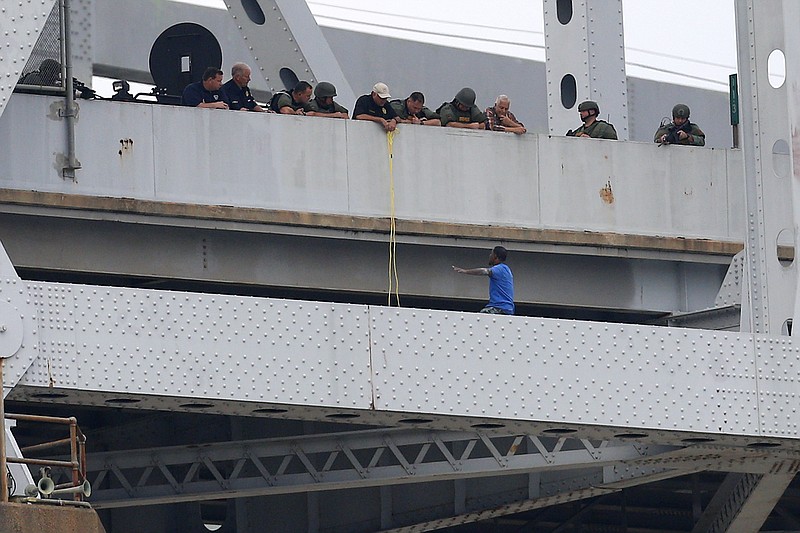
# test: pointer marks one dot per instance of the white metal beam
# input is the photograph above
(172, 350)
(22, 22)
(791, 52)
(585, 51)
(767, 168)
(285, 35)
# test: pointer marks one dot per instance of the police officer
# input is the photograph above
(323, 105)
(207, 92)
(293, 102)
(593, 126)
(375, 107)
(237, 89)
(680, 130)
(412, 110)
(462, 112)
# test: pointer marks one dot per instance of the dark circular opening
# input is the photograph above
(564, 11)
(569, 91)
(179, 56)
(697, 440)
(342, 416)
(270, 410)
(488, 425)
(49, 395)
(121, 401)
(197, 405)
(254, 11)
(630, 435)
(763, 445)
(288, 78)
(558, 431)
(415, 421)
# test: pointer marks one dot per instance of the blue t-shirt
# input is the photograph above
(194, 94)
(501, 288)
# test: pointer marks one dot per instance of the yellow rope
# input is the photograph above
(393, 278)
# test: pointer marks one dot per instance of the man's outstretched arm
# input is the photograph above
(472, 271)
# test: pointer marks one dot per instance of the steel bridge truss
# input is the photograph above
(348, 460)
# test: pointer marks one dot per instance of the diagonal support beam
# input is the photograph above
(761, 499)
(301, 464)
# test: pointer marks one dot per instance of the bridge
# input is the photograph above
(223, 318)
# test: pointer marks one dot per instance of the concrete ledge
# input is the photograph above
(365, 224)
(36, 518)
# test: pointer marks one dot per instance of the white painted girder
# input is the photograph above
(768, 191)
(287, 37)
(211, 348)
(21, 22)
(589, 47)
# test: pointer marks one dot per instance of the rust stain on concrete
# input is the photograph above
(125, 146)
(606, 194)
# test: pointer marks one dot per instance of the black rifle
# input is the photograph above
(673, 135)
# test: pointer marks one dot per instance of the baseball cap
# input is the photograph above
(381, 90)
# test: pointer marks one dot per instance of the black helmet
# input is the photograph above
(680, 111)
(324, 89)
(466, 96)
(589, 104)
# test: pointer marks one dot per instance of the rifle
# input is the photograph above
(673, 135)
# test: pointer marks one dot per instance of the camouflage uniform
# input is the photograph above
(600, 129)
(283, 99)
(696, 136)
(316, 106)
(399, 107)
(450, 113)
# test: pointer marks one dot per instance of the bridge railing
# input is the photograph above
(316, 165)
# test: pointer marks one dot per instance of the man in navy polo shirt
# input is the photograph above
(501, 282)
(206, 93)
(375, 107)
(237, 91)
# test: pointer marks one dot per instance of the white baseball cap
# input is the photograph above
(381, 89)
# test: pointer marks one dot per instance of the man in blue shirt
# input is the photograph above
(501, 282)
(207, 92)
(237, 91)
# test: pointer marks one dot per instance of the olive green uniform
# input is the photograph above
(399, 107)
(600, 129)
(695, 138)
(450, 113)
(282, 99)
(317, 107)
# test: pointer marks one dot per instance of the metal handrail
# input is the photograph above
(76, 441)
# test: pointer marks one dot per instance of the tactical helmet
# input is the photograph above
(680, 111)
(589, 104)
(324, 89)
(466, 97)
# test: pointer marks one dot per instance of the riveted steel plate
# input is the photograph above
(202, 346)
(779, 385)
(563, 371)
(18, 342)
(18, 330)
(20, 25)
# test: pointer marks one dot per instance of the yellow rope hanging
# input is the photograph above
(393, 278)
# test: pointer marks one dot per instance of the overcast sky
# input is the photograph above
(690, 42)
